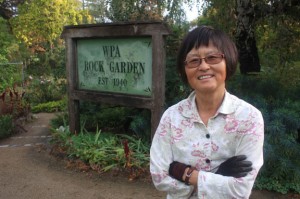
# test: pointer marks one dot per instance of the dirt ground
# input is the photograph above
(28, 171)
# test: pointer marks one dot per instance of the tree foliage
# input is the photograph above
(39, 23)
(96, 8)
(278, 33)
(134, 10)
(5, 40)
(220, 13)
(267, 24)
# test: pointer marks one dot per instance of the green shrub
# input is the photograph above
(140, 125)
(280, 106)
(106, 117)
(282, 165)
(6, 126)
(50, 107)
(44, 89)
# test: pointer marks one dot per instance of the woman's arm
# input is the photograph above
(161, 156)
(212, 186)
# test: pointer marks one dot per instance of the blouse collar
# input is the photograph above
(188, 107)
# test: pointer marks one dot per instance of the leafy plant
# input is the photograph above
(50, 107)
(12, 102)
(10, 74)
(104, 151)
(6, 126)
(139, 151)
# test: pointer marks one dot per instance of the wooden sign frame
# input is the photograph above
(156, 30)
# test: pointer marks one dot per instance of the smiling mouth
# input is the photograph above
(204, 77)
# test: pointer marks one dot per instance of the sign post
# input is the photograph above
(113, 63)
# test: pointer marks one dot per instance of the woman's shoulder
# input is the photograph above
(243, 105)
(176, 106)
(237, 101)
(181, 107)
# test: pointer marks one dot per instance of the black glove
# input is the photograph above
(176, 170)
(237, 167)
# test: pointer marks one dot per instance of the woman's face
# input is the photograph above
(206, 78)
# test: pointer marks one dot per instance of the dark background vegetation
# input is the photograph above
(32, 68)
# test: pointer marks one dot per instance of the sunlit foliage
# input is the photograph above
(40, 22)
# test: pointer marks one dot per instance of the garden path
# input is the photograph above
(27, 171)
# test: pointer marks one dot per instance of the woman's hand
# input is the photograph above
(177, 170)
(184, 173)
(236, 166)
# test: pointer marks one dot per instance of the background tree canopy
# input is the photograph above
(38, 24)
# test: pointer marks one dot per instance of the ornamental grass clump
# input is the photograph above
(104, 151)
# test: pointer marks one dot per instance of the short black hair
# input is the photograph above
(203, 36)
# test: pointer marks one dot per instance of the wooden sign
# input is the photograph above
(116, 63)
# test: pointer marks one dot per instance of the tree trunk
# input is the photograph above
(8, 8)
(245, 39)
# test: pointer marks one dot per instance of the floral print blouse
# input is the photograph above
(236, 129)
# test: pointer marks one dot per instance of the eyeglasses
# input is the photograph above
(210, 59)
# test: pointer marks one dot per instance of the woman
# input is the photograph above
(209, 145)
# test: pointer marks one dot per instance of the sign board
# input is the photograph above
(120, 65)
(116, 63)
